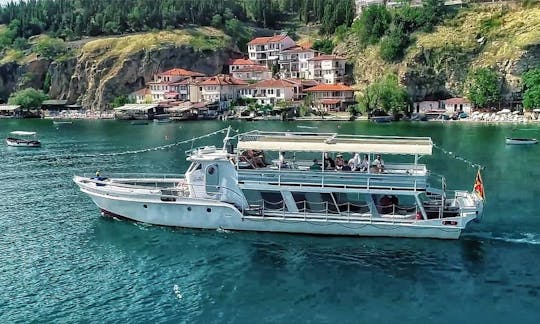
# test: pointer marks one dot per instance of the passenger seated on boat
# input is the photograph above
(256, 158)
(378, 164)
(315, 165)
(281, 160)
(340, 162)
(364, 165)
(98, 177)
(354, 162)
(329, 163)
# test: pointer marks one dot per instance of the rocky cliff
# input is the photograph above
(106, 68)
(498, 36)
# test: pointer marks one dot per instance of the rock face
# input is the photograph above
(94, 78)
(14, 76)
(94, 83)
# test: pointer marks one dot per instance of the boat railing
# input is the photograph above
(344, 180)
(346, 211)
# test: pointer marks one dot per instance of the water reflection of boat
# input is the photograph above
(382, 119)
(23, 139)
(399, 200)
(139, 122)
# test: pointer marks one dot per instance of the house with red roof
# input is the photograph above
(176, 74)
(458, 105)
(141, 96)
(265, 50)
(272, 91)
(331, 97)
(293, 62)
(220, 88)
(253, 73)
(328, 69)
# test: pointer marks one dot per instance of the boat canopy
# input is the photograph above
(332, 142)
(23, 133)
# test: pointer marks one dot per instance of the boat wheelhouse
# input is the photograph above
(23, 139)
(234, 188)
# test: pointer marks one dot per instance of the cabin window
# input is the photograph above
(212, 179)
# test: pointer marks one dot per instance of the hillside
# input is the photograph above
(503, 37)
(98, 70)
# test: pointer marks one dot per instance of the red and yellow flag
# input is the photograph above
(479, 185)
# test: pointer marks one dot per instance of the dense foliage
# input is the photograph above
(385, 95)
(28, 98)
(394, 27)
(73, 19)
(531, 85)
(483, 87)
(325, 46)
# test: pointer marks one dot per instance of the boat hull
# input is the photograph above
(22, 143)
(212, 214)
(521, 141)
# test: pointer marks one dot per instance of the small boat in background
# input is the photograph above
(382, 119)
(62, 122)
(520, 141)
(23, 139)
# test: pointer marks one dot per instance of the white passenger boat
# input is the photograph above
(219, 192)
(520, 141)
(23, 139)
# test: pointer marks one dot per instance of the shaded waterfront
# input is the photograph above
(62, 262)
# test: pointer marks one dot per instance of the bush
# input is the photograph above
(372, 24)
(325, 46)
(28, 98)
(483, 87)
(393, 46)
(50, 48)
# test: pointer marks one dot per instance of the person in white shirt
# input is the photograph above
(378, 163)
(364, 165)
(282, 162)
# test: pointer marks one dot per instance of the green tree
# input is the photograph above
(28, 98)
(325, 46)
(385, 95)
(483, 87)
(121, 100)
(531, 87)
(217, 21)
(394, 44)
(372, 24)
(49, 47)
(531, 78)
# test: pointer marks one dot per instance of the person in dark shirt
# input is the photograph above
(329, 163)
(315, 165)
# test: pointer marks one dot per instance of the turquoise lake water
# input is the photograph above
(60, 261)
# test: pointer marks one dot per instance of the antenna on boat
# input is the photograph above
(227, 138)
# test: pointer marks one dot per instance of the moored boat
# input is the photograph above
(23, 139)
(233, 188)
(520, 141)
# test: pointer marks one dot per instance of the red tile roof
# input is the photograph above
(297, 49)
(222, 80)
(241, 61)
(330, 101)
(327, 58)
(142, 92)
(266, 40)
(181, 72)
(456, 101)
(330, 87)
(254, 68)
(273, 83)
